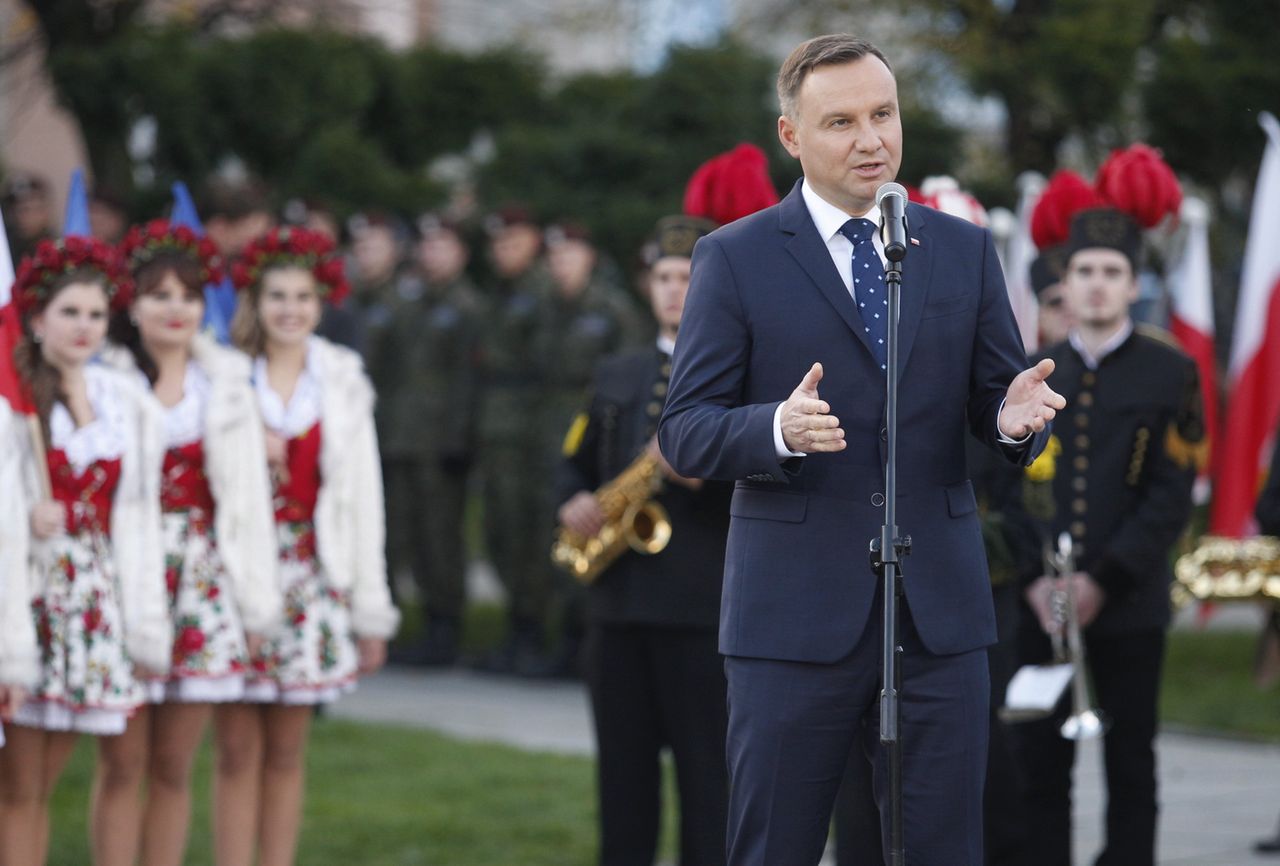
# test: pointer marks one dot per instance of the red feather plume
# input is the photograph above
(1138, 182)
(1066, 194)
(730, 186)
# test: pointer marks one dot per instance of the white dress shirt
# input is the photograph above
(1093, 359)
(829, 219)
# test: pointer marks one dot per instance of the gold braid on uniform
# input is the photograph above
(1185, 441)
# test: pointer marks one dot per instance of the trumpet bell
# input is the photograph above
(1088, 725)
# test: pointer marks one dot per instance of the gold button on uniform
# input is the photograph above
(1077, 528)
(1079, 485)
(660, 389)
(1081, 463)
(1079, 506)
(654, 409)
(1082, 421)
(1085, 399)
(1089, 378)
(1082, 441)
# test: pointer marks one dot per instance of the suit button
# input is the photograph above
(884, 434)
(877, 499)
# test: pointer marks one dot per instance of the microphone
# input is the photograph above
(891, 198)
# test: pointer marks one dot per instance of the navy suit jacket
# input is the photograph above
(764, 304)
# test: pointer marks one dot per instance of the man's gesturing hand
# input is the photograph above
(1030, 403)
(807, 423)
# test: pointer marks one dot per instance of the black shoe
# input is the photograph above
(1267, 846)
(438, 649)
(521, 651)
(564, 664)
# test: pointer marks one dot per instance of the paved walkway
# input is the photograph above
(1217, 795)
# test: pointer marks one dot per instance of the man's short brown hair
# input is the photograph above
(830, 50)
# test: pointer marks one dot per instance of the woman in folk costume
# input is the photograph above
(317, 406)
(79, 531)
(219, 551)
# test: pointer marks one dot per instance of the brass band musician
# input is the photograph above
(1126, 451)
(652, 666)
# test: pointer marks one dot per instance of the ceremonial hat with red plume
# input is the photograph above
(730, 186)
(1066, 195)
(1138, 190)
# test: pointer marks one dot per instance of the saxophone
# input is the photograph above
(1229, 569)
(633, 519)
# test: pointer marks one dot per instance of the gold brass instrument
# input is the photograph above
(633, 519)
(1228, 569)
(1085, 722)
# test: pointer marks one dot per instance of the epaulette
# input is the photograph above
(1160, 335)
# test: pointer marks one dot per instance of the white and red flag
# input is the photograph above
(11, 388)
(1253, 403)
(1191, 317)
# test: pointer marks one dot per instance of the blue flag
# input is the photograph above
(219, 298)
(77, 217)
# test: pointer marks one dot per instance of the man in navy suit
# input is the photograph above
(794, 294)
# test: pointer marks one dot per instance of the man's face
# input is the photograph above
(514, 248)
(1055, 319)
(846, 132)
(376, 252)
(1100, 285)
(571, 262)
(668, 285)
(442, 255)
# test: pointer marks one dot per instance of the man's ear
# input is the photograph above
(787, 135)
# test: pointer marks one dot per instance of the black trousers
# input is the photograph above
(653, 688)
(1125, 670)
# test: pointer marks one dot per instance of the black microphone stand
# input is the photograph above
(886, 560)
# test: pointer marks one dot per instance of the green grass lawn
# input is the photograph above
(1208, 686)
(387, 796)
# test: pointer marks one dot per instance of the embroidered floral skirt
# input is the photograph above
(86, 680)
(311, 657)
(209, 654)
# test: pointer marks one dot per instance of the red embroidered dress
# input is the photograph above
(312, 657)
(210, 656)
(87, 681)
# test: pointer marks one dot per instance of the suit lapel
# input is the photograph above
(811, 253)
(917, 268)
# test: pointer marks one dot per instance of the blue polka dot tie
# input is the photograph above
(869, 290)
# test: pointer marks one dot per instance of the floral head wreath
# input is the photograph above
(143, 243)
(291, 246)
(54, 259)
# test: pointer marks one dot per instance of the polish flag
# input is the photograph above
(1191, 317)
(1253, 407)
(11, 389)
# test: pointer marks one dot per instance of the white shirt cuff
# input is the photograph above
(780, 444)
(1003, 439)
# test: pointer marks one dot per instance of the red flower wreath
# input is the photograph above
(54, 259)
(291, 246)
(143, 243)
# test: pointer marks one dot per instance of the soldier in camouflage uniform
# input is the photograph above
(514, 482)
(587, 317)
(426, 415)
(376, 279)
